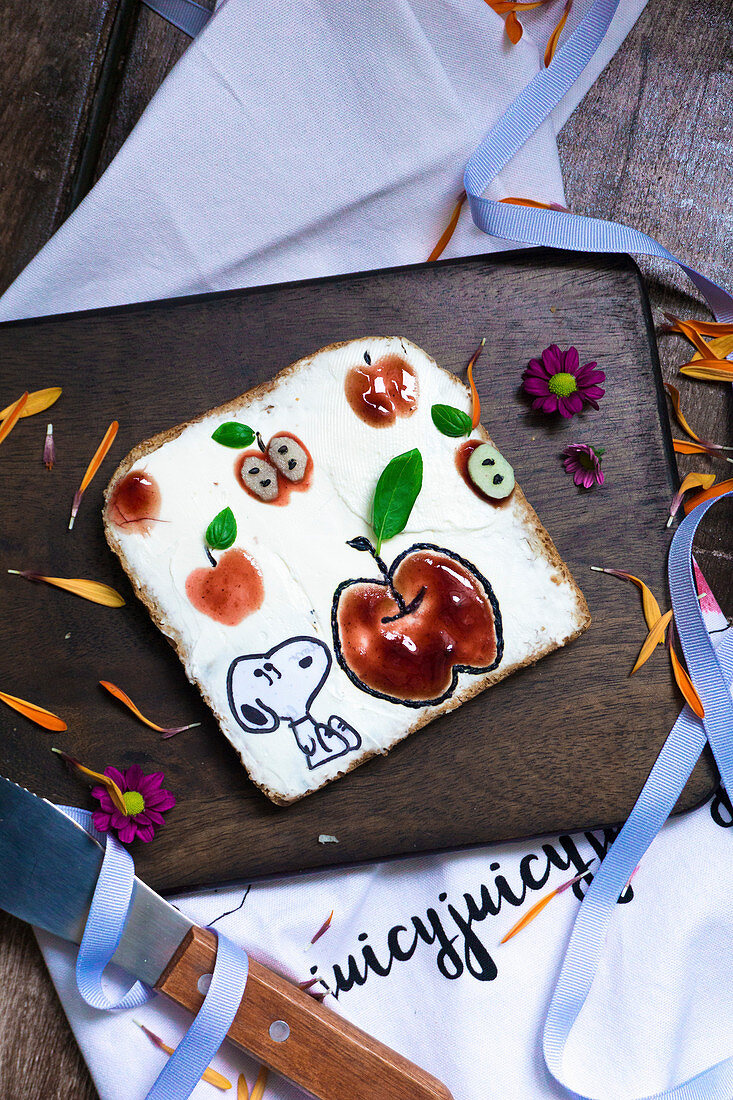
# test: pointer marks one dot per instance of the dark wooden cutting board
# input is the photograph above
(563, 745)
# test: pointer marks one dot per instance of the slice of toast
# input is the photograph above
(313, 650)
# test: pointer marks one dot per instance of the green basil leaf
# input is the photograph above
(451, 421)
(222, 531)
(396, 492)
(232, 434)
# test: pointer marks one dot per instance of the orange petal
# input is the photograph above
(708, 494)
(674, 394)
(513, 28)
(555, 36)
(449, 229)
(709, 370)
(514, 201)
(14, 414)
(105, 781)
(475, 399)
(209, 1074)
(709, 328)
(94, 591)
(713, 450)
(124, 698)
(652, 640)
(501, 7)
(692, 481)
(540, 905)
(685, 684)
(38, 401)
(96, 462)
(35, 714)
(258, 1090)
(652, 611)
(242, 1089)
(692, 334)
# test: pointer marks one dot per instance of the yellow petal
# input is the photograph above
(106, 781)
(242, 1088)
(674, 394)
(37, 402)
(652, 640)
(708, 494)
(97, 459)
(258, 1090)
(652, 611)
(125, 698)
(555, 36)
(94, 591)
(709, 370)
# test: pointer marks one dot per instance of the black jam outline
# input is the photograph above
(475, 670)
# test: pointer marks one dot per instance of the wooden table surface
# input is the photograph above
(651, 145)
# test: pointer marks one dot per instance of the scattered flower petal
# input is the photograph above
(242, 1088)
(49, 450)
(538, 906)
(323, 929)
(708, 370)
(109, 784)
(652, 640)
(14, 414)
(209, 1074)
(475, 399)
(707, 446)
(449, 230)
(709, 328)
(536, 205)
(118, 693)
(691, 481)
(41, 717)
(305, 986)
(513, 28)
(652, 610)
(557, 383)
(94, 591)
(96, 462)
(38, 401)
(555, 36)
(258, 1090)
(693, 335)
(683, 447)
(584, 463)
(685, 684)
(708, 494)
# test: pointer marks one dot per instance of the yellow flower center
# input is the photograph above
(134, 802)
(562, 384)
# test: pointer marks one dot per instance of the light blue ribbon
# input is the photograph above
(711, 673)
(553, 228)
(102, 934)
(187, 15)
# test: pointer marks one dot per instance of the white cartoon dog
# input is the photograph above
(266, 689)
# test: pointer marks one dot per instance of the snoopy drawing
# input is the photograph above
(266, 689)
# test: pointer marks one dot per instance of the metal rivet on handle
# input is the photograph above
(204, 982)
(279, 1031)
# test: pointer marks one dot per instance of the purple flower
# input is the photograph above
(584, 463)
(557, 382)
(144, 798)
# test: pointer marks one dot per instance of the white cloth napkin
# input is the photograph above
(306, 139)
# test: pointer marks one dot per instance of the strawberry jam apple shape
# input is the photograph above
(381, 392)
(233, 587)
(406, 635)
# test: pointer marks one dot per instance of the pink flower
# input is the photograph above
(584, 463)
(145, 799)
(557, 382)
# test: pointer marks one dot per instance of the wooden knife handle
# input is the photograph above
(324, 1054)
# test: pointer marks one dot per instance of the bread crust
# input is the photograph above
(468, 690)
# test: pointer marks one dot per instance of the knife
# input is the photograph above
(48, 871)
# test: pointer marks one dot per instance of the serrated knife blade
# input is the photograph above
(48, 870)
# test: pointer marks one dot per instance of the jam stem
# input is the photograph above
(363, 543)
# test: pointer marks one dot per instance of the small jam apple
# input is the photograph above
(406, 635)
(230, 591)
(380, 392)
(134, 503)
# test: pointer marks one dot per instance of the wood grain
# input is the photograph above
(536, 753)
(325, 1054)
(50, 60)
(627, 152)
